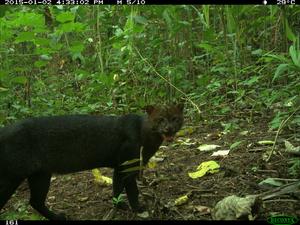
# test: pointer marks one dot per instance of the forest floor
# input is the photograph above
(81, 198)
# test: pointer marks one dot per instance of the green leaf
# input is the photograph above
(271, 182)
(130, 162)
(235, 144)
(140, 19)
(40, 63)
(19, 80)
(3, 74)
(25, 36)
(206, 15)
(77, 47)
(67, 27)
(257, 52)
(42, 41)
(289, 33)
(46, 57)
(251, 81)
(295, 55)
(65, 17)
(280, 69)
(131, 169)
(166, 17)
(2, 89)
(275, 123)
(206, 46)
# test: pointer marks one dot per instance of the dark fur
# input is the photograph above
(39, 147)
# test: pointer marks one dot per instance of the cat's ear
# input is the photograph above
(149, 109)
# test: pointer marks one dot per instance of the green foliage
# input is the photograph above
(84, 59)
(294, 168)
(118, 200)
(21, 213)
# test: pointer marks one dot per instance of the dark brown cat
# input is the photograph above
(36, 148)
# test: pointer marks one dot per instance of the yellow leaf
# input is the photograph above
(97, 175)
(185, 131)
(152, 164)
(101, 179)
(181, 200)
(204, 168)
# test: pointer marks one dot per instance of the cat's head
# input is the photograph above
(165, 120)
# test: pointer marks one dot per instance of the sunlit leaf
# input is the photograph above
(181, 200)
(204, 168)
(221, 153)
(206, 147)
(101, 179)
(266, 142)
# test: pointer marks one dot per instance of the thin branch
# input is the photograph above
(168, 82)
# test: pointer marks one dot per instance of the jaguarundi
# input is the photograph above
(36, 148)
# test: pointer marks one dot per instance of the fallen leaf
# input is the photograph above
(83, 199)
(290, 148)
(101, 179)
(244, 133)
(234, 208)
(204, 168)
(221, 153)
(266, 142)
(144, 214)
(203, 210)
(181, 200)
(270, 182)
(185, 131)
(151, 164)
(206, 147)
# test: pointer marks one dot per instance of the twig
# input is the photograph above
(284, 189)
(172, 85)
(282, 200)
(141, 163)
(278, 131)
(267, 171)
(107, 216)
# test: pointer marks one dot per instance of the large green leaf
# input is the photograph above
(19, 80)
(25, 36)
(65, 17)
(76, 47)
(295, 55)
(280, 69)
(289, 33)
